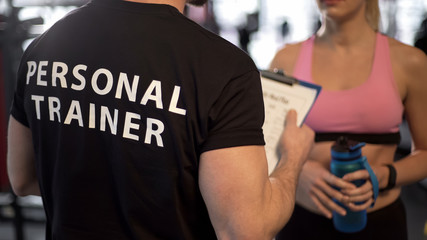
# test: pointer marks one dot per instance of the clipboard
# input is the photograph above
(282, 93)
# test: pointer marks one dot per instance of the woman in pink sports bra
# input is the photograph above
(370, 82)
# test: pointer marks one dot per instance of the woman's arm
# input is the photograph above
(411, 72)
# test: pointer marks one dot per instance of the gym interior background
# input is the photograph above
(259, 27)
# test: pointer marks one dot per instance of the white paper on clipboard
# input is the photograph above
(282, 93)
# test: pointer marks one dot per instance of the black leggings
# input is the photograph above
(386, 223)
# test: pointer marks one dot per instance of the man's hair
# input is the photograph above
(198, 3)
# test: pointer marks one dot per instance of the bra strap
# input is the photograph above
(381, 138)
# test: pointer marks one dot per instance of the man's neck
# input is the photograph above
(178, 4)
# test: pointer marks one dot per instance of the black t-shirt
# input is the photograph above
(122, 98)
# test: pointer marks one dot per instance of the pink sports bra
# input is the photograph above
(373, 108)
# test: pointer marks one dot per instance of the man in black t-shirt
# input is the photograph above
(133, 122)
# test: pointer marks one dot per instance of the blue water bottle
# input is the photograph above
(346, 158)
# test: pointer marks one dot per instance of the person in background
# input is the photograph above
(421, 36)
(133, 122)
(370, 82)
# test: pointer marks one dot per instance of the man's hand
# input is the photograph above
(317, 187)
(296, 142)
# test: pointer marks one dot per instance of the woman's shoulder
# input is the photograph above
(286, 57)
(407, 56)
(409, 65)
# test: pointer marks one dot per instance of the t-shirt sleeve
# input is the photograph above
(237, 117)
(17, 110)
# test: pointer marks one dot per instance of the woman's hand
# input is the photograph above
(361, 198)
(317, 187)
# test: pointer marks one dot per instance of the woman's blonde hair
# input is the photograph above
(373, 14)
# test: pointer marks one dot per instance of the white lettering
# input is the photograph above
(129, 125)
(37, 100)
(74, 113)
(106, 116)
(59, 75)
(109, 84)
(92, 115)
(41, 73)
(175, 96)
(131, 92)
(31, 70)
(156, 133)
(102, 81)
(157, 87)
(54, 107)
(79, 77)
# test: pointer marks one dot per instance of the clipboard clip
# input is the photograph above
(279, 75)
(279, 71)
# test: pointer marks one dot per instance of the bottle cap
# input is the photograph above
(346, 149)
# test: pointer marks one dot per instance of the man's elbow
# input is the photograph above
(24, 188)
(249, 233)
